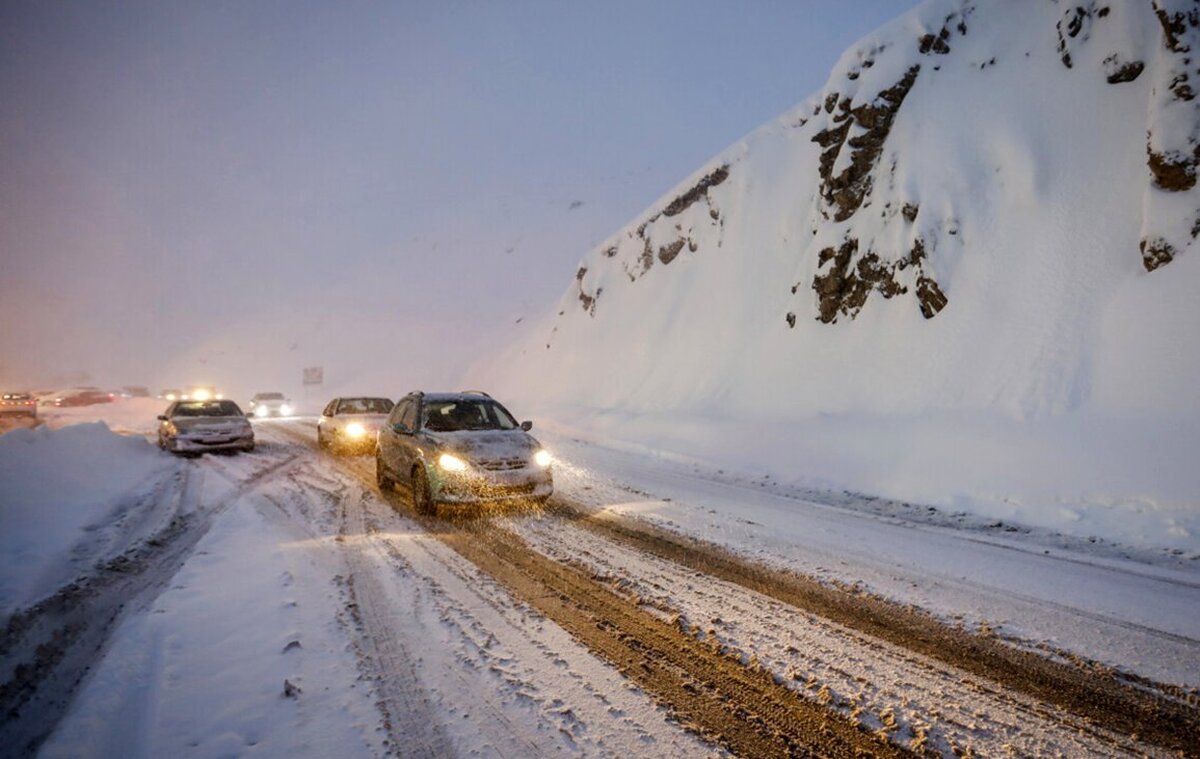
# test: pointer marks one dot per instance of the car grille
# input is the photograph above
(501, 465)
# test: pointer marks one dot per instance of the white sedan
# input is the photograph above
(352, 424)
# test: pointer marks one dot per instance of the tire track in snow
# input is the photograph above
(1162, 721)
(916, 700)
(488, 656)
(1099, 699)
(740, 708)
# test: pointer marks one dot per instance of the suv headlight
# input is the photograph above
(542, 458)
(285, 410)
(451, 463)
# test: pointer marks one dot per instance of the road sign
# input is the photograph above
(314, 375)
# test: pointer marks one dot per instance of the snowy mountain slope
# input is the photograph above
(989, 158)
(988, 212)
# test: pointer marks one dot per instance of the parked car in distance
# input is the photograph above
(171, 394)
(198, 426)
(84, 397)
(461, 448)
(352, 424)
(270, 404)
(18, 404)
(135, 391)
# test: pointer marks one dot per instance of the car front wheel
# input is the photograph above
(386, 483)
(422, 496)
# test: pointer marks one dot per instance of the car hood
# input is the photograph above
(487, 444)
(196, 423)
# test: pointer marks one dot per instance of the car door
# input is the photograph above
(390, 441)
(404, 439)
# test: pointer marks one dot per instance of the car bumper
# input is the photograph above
(192, 445)
(483, 487)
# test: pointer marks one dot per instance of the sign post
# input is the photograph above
(313, 375)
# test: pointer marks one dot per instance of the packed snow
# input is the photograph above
(69, 498)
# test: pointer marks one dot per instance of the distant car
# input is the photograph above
(18, 404)
(197, 426)
(352, 424)
(135, 391)
(462, 448)
(270, 404)
(84, 398)
(171, 394)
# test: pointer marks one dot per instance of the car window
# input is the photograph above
(207, 408)
(329, 408)
(452, 416)
(364, 406)
(408, 415)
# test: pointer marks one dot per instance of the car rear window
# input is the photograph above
(365, 406)
(207, 408)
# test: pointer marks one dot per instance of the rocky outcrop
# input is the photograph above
(1173, 139)
(844, 281)
(687, 199)
(845, 190)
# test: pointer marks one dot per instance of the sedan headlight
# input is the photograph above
(261, 411)
(542, 458)
(286, 410)
(354, 429)
(451, 463)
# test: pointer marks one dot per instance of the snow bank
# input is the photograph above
(959, 273)
(123, 415)
(58, 490)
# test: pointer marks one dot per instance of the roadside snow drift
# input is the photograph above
(963, 273)
(61, 491)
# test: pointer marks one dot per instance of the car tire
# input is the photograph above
(249, 448)
(422, 496)
(382, 478)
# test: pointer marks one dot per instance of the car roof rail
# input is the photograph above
(475, 392)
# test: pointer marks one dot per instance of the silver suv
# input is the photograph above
(462, 448)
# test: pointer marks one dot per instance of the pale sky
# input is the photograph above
(186, 187)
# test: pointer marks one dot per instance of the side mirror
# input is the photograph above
(162, 417)
(527, 426)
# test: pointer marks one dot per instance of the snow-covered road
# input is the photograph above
(285, 606)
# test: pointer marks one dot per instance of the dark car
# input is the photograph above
(462, 448)
(18, 404)
(198, 426)
(352, 424)
(86, 397)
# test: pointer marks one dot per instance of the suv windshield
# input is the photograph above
(269, 397)
(451, 416)
(207, 408)
(364, 406)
